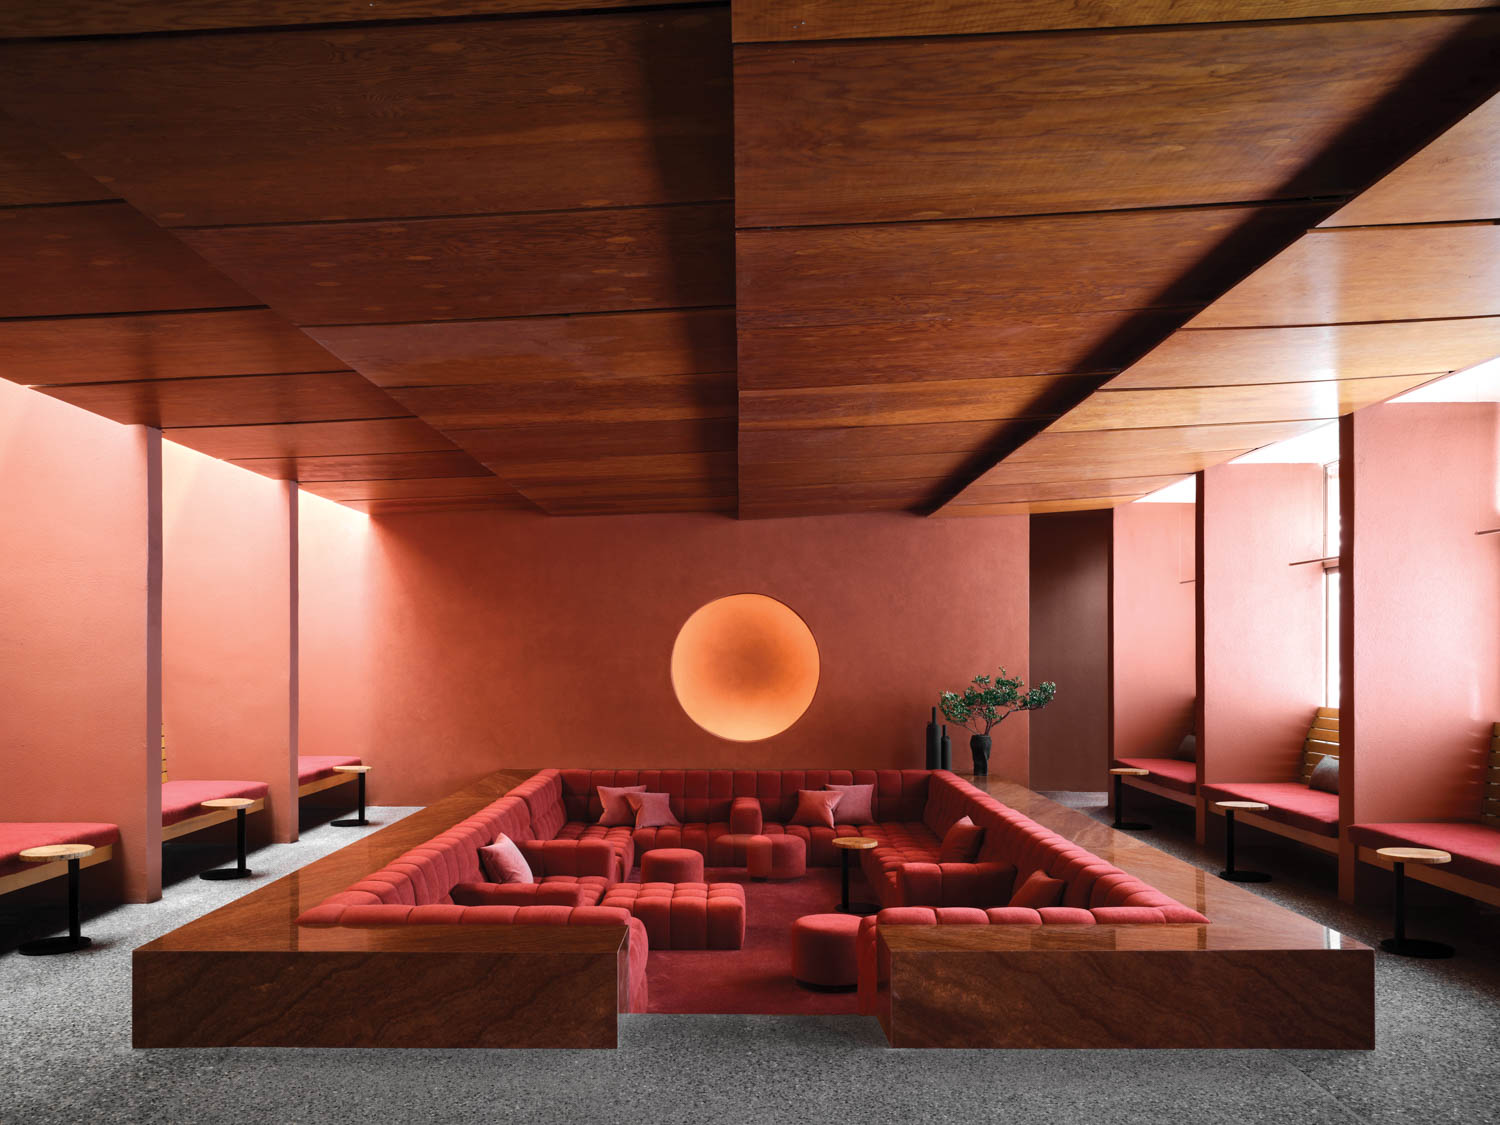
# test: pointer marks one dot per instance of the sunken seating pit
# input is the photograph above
(684, 915)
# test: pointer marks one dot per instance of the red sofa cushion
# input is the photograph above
(17, 836)
(313, 767)
(1475, 846)
(685, 915)
(961, 842)
(1290, 802)
(183, 799)
(816, 807)
(1038, 890)
(1169, 773)
(503, 862)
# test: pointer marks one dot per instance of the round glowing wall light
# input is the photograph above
(745, 667)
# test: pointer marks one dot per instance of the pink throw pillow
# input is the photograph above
(858, 805)
(1039, 890)
(503, 862)
(816, 806)
(617, 811)
(652, 810)
(961, 842)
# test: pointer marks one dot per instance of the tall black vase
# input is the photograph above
(945, 753)
(979, 745)
(934, 748)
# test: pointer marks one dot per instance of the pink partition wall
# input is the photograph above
(1422, 611)
(1260, 619)
(442, 646)
(229, 669)
(80, 628)
(1153, 642)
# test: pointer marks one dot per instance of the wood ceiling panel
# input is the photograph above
(234, 400)
(526, 401)
(31, 173)
(836, 499)
(1282, 355)
(1108, 447)
(313, 439)
(1173, 464)
(508, 265)
(1038, 507)
(622, 490)
(646, 505)
(441, 488)
(619, 109)
(156, 346)
(865, 441)
(368, 466)
(668, 342)
(991, 493)
(416, 505)
(1457, 177)
(925, 468)
(597, 473)
(1352, 275)
(900, 130)
(1217, 406)
(896, 404)
(584, 441)
(800, 20)
(100, 258)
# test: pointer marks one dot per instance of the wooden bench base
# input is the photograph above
(206, 820)
(1329, 844)
(41, 872)
(1146, 786)
(323, 783)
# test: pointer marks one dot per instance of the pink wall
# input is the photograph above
(1261, 619)
(1153, 629)
(79, 639)
(227, 644)
(1070, 645)
(443, 646)
(1422, 609)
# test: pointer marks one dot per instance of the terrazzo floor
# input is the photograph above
(65, 1052)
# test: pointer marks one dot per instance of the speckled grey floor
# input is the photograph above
(65, 1053)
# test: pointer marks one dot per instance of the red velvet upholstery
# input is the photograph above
(1474, 845)
(672, 865)
(776, 857)
(824, 950)
(183, 799)
(685, 915)
(17, 836)
(954, 884)
(1169, 773)
(1290, 802)
(745, 817)
(312, 767)
(557, 892)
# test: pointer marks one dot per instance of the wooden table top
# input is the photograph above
(855, 843)
(47, 853)
(1415, 855)
(1130, 771)
(228, 803)
(351, 769)
(1247, 806)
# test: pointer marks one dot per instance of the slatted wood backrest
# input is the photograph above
(164, 752)
(1492, 780)
(1322, 741)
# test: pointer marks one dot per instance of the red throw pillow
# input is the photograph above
(652, 810)
(961, 842)
(858, 805)
(816, 806)
(503, 862)
(1039, 890)
(617, 811)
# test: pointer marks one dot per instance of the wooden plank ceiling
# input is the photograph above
(798, 257)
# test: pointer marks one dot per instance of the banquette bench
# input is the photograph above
(19, 836)
(1294, 808)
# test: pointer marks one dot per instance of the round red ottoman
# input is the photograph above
(823, 951)
(672, 865)
(775, 857)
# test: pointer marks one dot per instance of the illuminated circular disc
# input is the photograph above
(745, 667)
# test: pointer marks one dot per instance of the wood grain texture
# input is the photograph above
(992, 492)
(586, 441)
(365, 466)
(108, 349)
(1349, 275)
(101, 258)
(896, 404)
(836, 499)
(1346, 351)
(966, 127)
(32, 173)
(667, 342)
(1108, 446)
(1037, 507)
(547, 399)
(861, 442)
(1456, 177)
(1173, 464)
(597, 475)
(418, 505)
(448, 269)
(801, 20)
(1216, 406)
(234, 401)
(760, 477)
(441, 488)
(314, 439)
(646, 505)
(621, 109)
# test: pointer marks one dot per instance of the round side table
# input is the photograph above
(357, 821)
(239, 870)
(1230, 872)
(847, 844)
(1401, 944)
(50, 853)
(1120, 774)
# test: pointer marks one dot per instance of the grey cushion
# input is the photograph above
(1325, 775)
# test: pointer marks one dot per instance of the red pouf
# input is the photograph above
(776, 857)
(685, 915)
(823, 950)
(672, 865)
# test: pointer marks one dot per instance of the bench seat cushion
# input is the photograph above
(17, 836)
(1169, 773)
(1475, 846)
(182, 799)
(313, 767)
(1291, 803)
(684, 915)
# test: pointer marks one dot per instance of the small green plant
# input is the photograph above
(987, 702)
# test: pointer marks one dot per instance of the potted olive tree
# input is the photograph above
(986, 703)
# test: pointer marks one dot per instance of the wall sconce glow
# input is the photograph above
(745, 667)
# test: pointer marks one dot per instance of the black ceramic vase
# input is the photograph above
(933, 746)
(980, 746)
(945, 756)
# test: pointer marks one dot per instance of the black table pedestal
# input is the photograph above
(1120, 823)
(358, 821)
(239, 870)
(75, 940)
(1401, 944)
(1230, 872)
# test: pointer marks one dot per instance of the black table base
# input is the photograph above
(239, 870)
(1231, 873)
(1125, 825)
(1403, 946)
(45, 947)
(357, 821)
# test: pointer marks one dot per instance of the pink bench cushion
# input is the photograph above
(1291, 803)
(1475, 847)
(1169, 773)
(182, 799)
(315, 768)
(17, 836)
